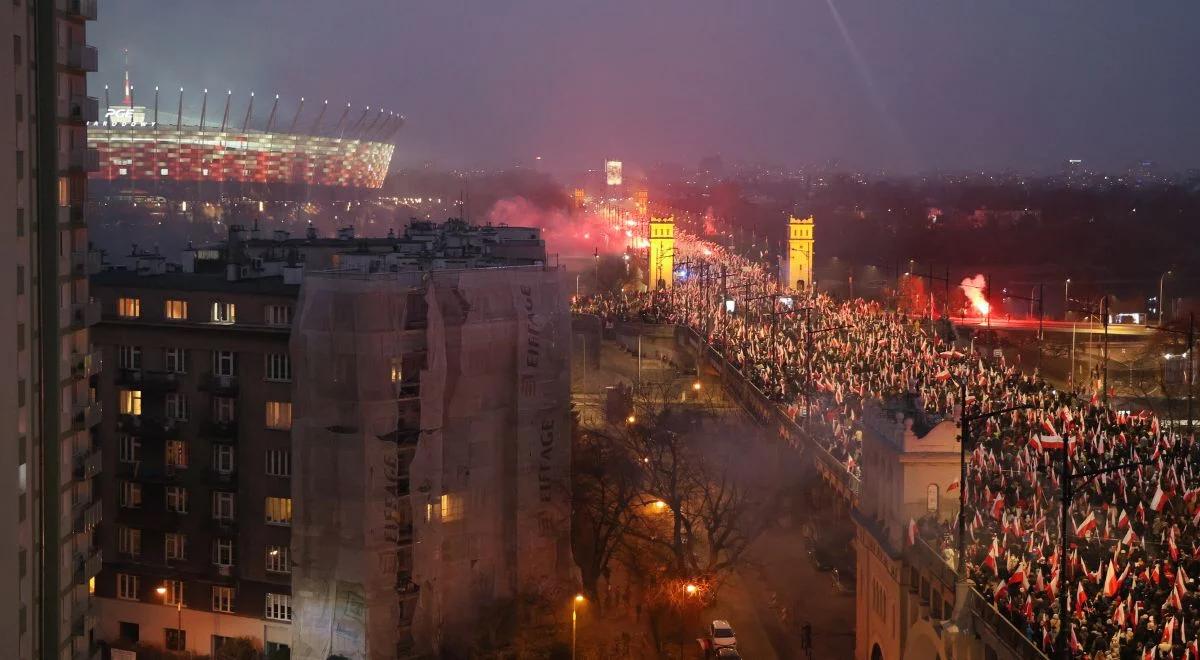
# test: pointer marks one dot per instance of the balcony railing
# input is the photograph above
(87, 464)
(219, 384)
(85, 516)
(86, 416)
(85, 9)
(87, 566)
(80, 158)
(85, 315)
(82, 57)
(80, 108)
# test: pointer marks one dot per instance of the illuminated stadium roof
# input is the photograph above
(139, 145)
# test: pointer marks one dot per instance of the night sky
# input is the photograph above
(903, 85)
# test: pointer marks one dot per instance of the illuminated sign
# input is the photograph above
(612, 172)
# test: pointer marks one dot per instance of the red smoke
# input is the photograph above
(566, 233)
(973, 287)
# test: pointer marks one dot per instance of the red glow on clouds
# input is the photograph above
(973, 288)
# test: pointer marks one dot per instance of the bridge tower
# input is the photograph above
(661, 268)
(800, 252)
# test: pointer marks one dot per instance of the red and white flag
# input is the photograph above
(1087, 525)
(1159, 501)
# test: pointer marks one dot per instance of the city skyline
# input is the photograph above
(1021, 86)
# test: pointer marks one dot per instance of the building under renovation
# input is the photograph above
(431, 442)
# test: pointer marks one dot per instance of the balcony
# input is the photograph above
(85, 9)
(86, 416)
(146, 426)
(85, 315)
(217, 430)
(84, 159)
(85, 516)
(82, 57)
(86, 365)
(71, 217)
(87, 566)
(87, 464)
(80, 108)
(162, 381)
(219, 384)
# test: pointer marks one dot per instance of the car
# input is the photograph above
(722, 635)
(728, 653)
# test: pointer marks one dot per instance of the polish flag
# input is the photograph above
(1119, 616)
(1123, 519)
(1000, 591)
(989, 561)
(1018, 576)
(998, 507)
(1159, 501)
(953, 486)
(1048, 427)
(942, 376)
(1087, 525)
(1129, 537)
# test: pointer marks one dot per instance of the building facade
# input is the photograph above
(48, 413)
(197, 453)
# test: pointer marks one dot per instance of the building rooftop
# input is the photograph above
(203, 281)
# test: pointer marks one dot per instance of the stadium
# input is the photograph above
(183, 155)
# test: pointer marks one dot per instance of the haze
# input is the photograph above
(905, 86)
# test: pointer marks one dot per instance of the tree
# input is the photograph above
(606, 486)
(237, 648)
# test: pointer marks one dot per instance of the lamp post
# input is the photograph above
(162, 591)
(1066, 297)
(575, 602)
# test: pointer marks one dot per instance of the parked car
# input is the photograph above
(721, 634)
(728, 653)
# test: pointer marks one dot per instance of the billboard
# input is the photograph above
(612, 172)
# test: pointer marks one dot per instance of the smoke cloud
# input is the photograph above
(973, 288)
(565, 233)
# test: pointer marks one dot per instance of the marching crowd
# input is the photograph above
(1132, 547)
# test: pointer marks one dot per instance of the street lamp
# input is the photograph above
(1066, 297)
(690, 589)
(575, 602)
(162, 591)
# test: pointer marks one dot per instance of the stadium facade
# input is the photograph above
(173, 154)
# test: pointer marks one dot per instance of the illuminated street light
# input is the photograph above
(696, 386)
(575, 602)
(691, 589)
(659, 505)
(630, 419)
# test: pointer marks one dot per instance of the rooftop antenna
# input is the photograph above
(249, 111)
(271, 119)
(179, 113)
(107, 107)
(299, 109)
(156, 107)
(128, 88)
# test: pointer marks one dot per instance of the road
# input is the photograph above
(1031, 325)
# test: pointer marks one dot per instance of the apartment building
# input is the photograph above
(48, 455)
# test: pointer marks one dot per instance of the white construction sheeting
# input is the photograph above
(481, 516)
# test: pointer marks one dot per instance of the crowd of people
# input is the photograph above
(1133, 543)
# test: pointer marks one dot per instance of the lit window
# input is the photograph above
(277, 559)
(123, 171)
(279, 607)
(163, 171)
(129, 308)
(222, 599)
(279, 463)
(174, 546)
(452, 507)
(176, 310)
(131, 494)
(279, 367)
(279, 511)
(223, 552)
(177, 407)
(279, 415)
(174, 595)
(223, 312)
(131, 402)
(129, 541)
(177, 499)
(224, 505)
(127, 586)
(203, 171)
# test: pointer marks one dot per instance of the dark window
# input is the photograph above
(130, 632)
(176, 639)
(16, 50)
(20, 108)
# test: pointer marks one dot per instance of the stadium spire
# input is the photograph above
(128, 90)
